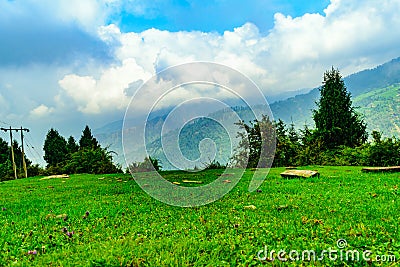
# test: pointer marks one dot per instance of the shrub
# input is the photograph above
(91, 160)
(213, 165)
(6, 171)
(148, 164)
(384, 153)
(34, 170)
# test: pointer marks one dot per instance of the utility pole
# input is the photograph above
(23, 152)
(12, 149)
(12, 154)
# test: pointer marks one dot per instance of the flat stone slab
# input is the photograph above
(299, 174)
(191, 181)
(62, 176)
(381, 169)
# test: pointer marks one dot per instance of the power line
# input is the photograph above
(39, 158)
(33, 151)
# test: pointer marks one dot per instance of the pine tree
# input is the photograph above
(87, 140)
(335, 119)
(72, 146)
(55, 148)
(292, 134)
(282, 144)
(293, 148)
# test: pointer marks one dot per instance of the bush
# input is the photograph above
(354, 156)
(345, 156)
(310, 153)
(91, 160)
(52, 170)
(147, 165)
(214, 165)
(384, 153)
(34, 170)
(6, 171)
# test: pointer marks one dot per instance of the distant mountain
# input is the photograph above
(286, 95)
(375, 91)
(202, 140)
(115, 126)
(370, 79)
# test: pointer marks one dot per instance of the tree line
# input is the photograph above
(68, 156)
(62, 156)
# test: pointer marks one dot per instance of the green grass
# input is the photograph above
(126, 227)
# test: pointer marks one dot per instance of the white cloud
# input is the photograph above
(41, 111)
(88, 14)
(349, 35)
(108, 92)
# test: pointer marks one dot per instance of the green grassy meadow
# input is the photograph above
(108, 220)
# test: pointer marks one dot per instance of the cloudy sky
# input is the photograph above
(67, 63)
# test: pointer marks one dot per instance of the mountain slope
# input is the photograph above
(370, 79)
(381, 109)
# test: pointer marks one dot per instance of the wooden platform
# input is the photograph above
(381, 169)
(299, 174)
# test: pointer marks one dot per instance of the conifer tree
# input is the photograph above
(55, 148)
(87, 140)
(335, 119)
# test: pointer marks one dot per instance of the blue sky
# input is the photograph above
(31, 34)
(68, 63)
(213, 15)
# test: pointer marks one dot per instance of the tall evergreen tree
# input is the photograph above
(282, 144)
(292, 134)
(72, 146)
(294, 146)
(55, 148)
(335, 119)
(88, 141)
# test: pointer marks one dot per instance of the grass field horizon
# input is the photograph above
(108, 220)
